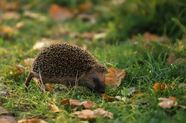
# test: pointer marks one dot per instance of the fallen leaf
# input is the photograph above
(173, 85)
(87, 35)
(85, 114)
(10, 15)
(44, 42)
(33, 120)
(159, 87)
(91, 115)
(7, 5)
(63, 102)
(7, 119)
(167, 102)
(84, 7)
(104, 113)
(73, 102)
(107, 97)
(54, 108)
(19, 25)
(138, 95)
(50, 88)
(114, 77)
(172, 98)
(148, 36)
(19, 70)
(88, 104)
(7, 32)
(33, 15)
(58, 13)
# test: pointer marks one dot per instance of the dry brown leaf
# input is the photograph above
(7, 32)
(114, 77)
(159, 87)
(91, 115)
(7, 119)
(86, 35)
(19, 70)
(172, 98)
(73, 102)
(104, 113)
(10, 15)
(85, 114)
(9, 5)
(88, 104)
(53, 107)
(84, 7)
(33, 15)
(167, 102)
(148, 36)
(108, 98)
(44, 42)
(50, 87)
(19, 25)
(63, 102)
(33, 120)
(60, 13)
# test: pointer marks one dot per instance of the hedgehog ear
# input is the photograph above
(88, 69)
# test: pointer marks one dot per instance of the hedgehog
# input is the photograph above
(69, 65)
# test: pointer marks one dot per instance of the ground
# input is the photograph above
(149, 60)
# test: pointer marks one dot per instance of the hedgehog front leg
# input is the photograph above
(29, 77)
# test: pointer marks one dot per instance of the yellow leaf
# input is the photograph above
(159, 87)
(114, 77)
(53, 107)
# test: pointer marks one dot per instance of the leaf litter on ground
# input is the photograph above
(86, 104)
(92, 115)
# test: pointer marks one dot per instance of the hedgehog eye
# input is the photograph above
(95, 80)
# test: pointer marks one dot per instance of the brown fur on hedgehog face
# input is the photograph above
(94, 78)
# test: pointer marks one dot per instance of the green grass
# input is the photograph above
(144, 67)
